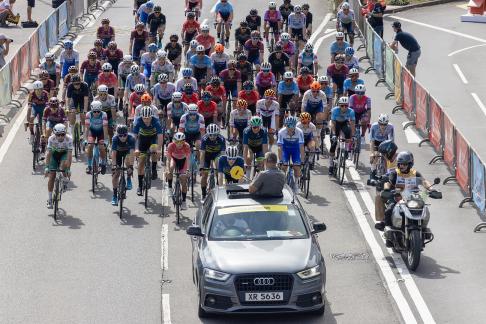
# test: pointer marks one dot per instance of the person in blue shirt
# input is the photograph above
(201, 64)
(339, 46)
(350, 60)
(213, 145)
(144, 11)
(291, 147)
(255, 142)
(147, 59)
(149, 135)
(342, 121)
(308, 59)
(223, 13)
(324, 81)
(227, 162)
(122, 148)
(351, 82)
(287, 90)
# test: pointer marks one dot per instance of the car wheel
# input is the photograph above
(200, 311)
(319, 311)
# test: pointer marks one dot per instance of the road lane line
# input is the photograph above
(319, 29)
(214, 7)
(320, 40)
(380, 258)
(412, 136)
(476, 98)
(465, 49)
(166, 309)
(441, 29)
(76, 41)
(459, 72)
(204, 22)
(11, 134)
(412, 288)
(164, 247)
(329, 30)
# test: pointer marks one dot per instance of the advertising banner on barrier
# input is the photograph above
(408, 91)
(25, 65)
(398, 81)
(435, 133)
(477, 182)
(449, 142)
(52, 30)
(369, 42)
(63, 22)
(389, 65)
(34, 50)
(377, 54)
(421, 116)
(43, 39)
(15, 72)
(5, 85)
(462, 162)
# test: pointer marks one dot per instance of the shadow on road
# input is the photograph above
(131, 220)
(430, 269)
(63, 219)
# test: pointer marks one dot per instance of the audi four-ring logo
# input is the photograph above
(264, 281)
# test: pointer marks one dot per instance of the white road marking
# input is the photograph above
(164, 247)
(76, 41)
(412, 136)
(465, 49)
(441, 29)
(319, 41)
(329, 30)
(459, 72)
(319, 29)
(205, 21)
(412, 288)
(166, 309)
(475, 96)
(11, 134)
(214, 7)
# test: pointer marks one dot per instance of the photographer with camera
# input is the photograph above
(4, 48)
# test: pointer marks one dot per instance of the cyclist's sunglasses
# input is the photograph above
(60, 135)
(97, 112)
(122, 135)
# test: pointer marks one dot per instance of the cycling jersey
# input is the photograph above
(140, 128)
(265, 79)
(120, 146)
(182, 82)
(207, 110)
(146, 61)
(124, 70)
(296, 21)
(52, 69)
(307, 59)
(287, 88)
(304, 83)
(100, 52)
(139, 39)
(205, 40)
(95, 123)
(314, 103)
(159, 67)
(105, 34)
(135, 100)
(239, 120)
(67, 60)
(133, 80)
(217, 93)
(272, 16)
(379, 136)
(77, 94)
(191, 123)
(52, 118)
(153, 109)
(348, 85)
(56, 146)
(253, 22)
(155, 21)
(173, 51)
(308, 19)
(91, 70)
(251, 97)
(359, 104)
(278, 63)
(163, 91)
(225, 168)
(290, 145)
(230, 81)
(219, 61)
(352, 62)
(49, 85)
(286, 11)
(345, 18)
(200, 62)
(242, 36)
(179, 153)
(309, 131)
(338, 48)
(268, 113)
(143, 13)
(176, 111)
(192, 99)
(288, 47)
(190, 53)
(255, 140)
(245, 69)
(190, 26)
(253, 49)
(110, 80)
(38, 100)
(339, 116)
(337, 75)
(224, 9)
(214, 147)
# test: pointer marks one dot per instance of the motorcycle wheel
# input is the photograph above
(412, 255)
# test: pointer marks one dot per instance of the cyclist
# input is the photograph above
(161, 65)
(219, 59)
(314, 102)
(288, 47)
(254, 20)
(338, 46)
(189, 96)
(124, 71)
(310, 132)
(190, 28)
(239, 120)
(106, 32)
(77, 100)
(108, 104)
(265, 79)
(242, 34)
(149, 138)
(186, 78)
(337, 72)
(175, 110)
(135, 100)
(288, 90)
(156, 22)
(52, 68)
(213, 145)
(208, 108)
(291, 147)
(308, 59)
(109, 79)
(53, 115)
(163, 92)
(196, 6)
(345, 21)
(146, 101)
(123, 146)
(380, 132)
(272, 19)
(350, 60)
(218, 92)
(223, 13)
(201, 64)
(269, 110)
(73, 70)
(114, 56)
(227, 162)
(279, 62)
(231, 78)
(324, 82)
(351, 82)
(147, 59)
(191, 52)
(37, 102)
(59, 156)
(134, 78)
(342, 121)
(96, 123)
(296, 26)
(285, 10)
(174, 51)
(90, 69)
(254, 49)
(304, 80)
(192, 125)
(69, 57)
(361, 104)
(308, 18)
(49, 85)
(138, 41)
(244, 67)
(206, 40)
(136, 6)
(250, 95)
(255, 144)
(98, 49)
(178, 156)
(144, 11)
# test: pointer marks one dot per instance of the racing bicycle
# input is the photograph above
(177, 195)
(122, 187)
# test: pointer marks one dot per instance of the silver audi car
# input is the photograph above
(256, 255)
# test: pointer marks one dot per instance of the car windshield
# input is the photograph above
(257, 222)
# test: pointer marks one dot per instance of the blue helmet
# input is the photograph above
(149, 4)
(68, 44)
(186, 72)
(206, 96)
(349, 51)
(153, 47)
(290, 122)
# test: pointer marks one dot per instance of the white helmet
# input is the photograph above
(163, 78)
(232, 152)
(127, 58)
(360, 88)
(107, 67)
(272, 5)
(266, 66)
(339, 35)
(343, 101)
(49, 56)
(192, 108)
(297, 8)
(345, 5)
(200, 48)
(288, 75)
(161, 54)
(134, 69)
(308, 47)
(102, 89)
(204, 27)
(96, 106)
(177, 96)
(139, 87)
(212, 129)
(37, 85)
(285, 36)
(146, 111)
(323, 78)
(193, 43)
(354, 71)
(59, 129)
(179, 136)
(383, 119)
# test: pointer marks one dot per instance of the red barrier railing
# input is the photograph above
(449, 140)
(15, 72)
(34, 52)
(421, 101)
(462, 162)
(25, 65)
(408, 97)
(436, 116)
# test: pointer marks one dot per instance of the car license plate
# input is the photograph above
(264, 296)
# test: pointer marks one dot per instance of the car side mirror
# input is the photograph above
(436, 181)
(318, 227)
(194, 231)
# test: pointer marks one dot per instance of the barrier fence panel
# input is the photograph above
(25, 63)
(369, 43)
(421, 109)
(357, 12)
(91, 2)
(34, 50)
(398, 80)
(378, 54)
(43, 39)
(477, 182)
(462, 162)
(435, 133)
(408, 91)
(5, 85)
(52, 30)
(63, 20)
(449, 142)
(389, 67)
(15, 72)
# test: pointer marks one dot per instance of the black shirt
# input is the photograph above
(77, 94)
(377, 21)
(254, 24)
(286, 11)
(242, 36)
(278, 63)
(407, 41)
(308, 19)
(173, 52)
(155, 21)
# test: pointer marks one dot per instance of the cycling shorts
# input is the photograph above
(96, 136)
(56, 159)
(313, 108)
(291, 155)
(231, 88)
(180, 165)
(348, 27)
(119, 156)
(191, 138)
(298, 33)
(257, 150)
(188, 37)
(37, 110)
(50, 124)
(145, 142)
(208, 157)
(254, 59)
(224, 15)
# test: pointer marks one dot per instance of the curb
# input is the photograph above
(419, 5)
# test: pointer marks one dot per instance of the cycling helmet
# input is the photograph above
(316, 86)
(59, 129)
(353, 71)
(272, 5)
(146, 112)
(323, 78)
(43, 74)
(161, 54)
(135, 69)
(304, 70)
(200, 48)
(231, 64)
(127, 58)
(106, 67)
(188, 87)
(105, 21)
(232, 152)
(157, 9)
(121, 129)
(339, 58)
(243, 24)
(405, 157)
(192, 108)
(149, 4)
(360, 89)
(193, 43)
(75, 78)
(308, 47)
(278, 48)
(242, 57)
(266, 67)
(339, 35)
(139, 88)
(152, 47)
(305, 118)
(73, 69)
(102, 89)
(163, 78)
(253, 12)
(96, 106)
(241, 103)
(37, 85)
(397, 25)
(49, 56)
(92, 55)
(177, 96)
(191, 14)
(256, 121)
(290, 122)
(383, 119)
(345, 5)
(288, 75)
(206, 96)
(285, 37)
(248, 85)
(388, 148)
(297, 8)
(255, 34)
(269, 94)
(219, 48)
(174, 37)
(212, 129)
(215, 81)
(305, 6)
(343, 101)
(146, 98)
(349, 51)
(68, 44)
(112, 45)
(186, 72)
(205, 28)
(53, 101)
(98, 42)
(179, 137)
(140, 24)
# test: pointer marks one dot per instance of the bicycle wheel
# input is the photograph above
(356, 153)
(94, 175)
(35, 147)
(342, 166)
(55, 197)
(177, 199)
(77, 149)
(121, 194)
(147, 183)
(272, 43)
(307, 180)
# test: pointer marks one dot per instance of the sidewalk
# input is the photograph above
(40, 12)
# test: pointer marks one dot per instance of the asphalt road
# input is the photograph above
(92, 268)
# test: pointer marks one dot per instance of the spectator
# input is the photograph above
(269, 182)
(375, 17)
(30, 5)
(409, 43)
(6, 7)
(4, 48)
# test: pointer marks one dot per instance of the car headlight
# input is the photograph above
(415, 204)
(216, 275)
(309, 273)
